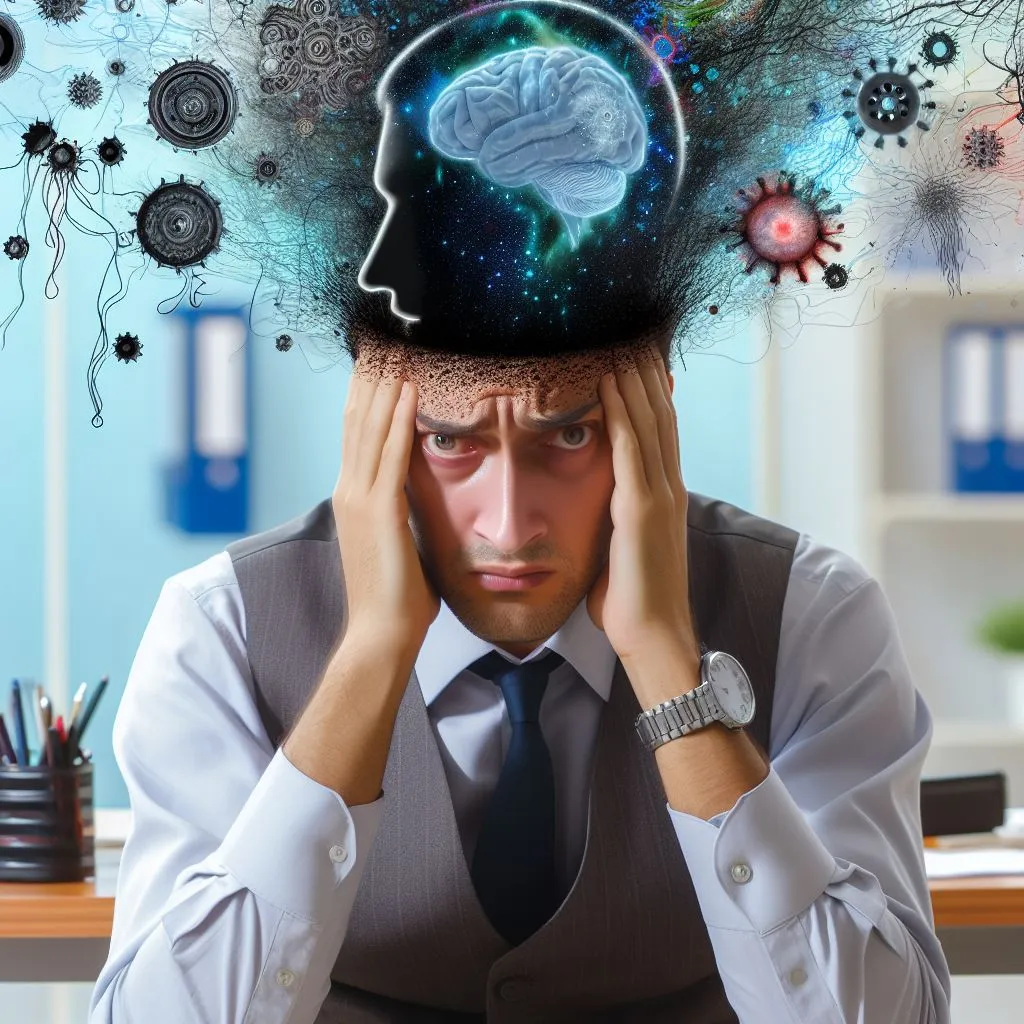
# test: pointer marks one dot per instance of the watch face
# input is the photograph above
(732, 687)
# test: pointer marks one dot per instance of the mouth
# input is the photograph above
(523, 581)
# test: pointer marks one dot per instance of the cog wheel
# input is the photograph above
(888, 102)
(179, 224)
(39, 138)
(284, 343)
(836, 276)
(192, 105)
(16, 247)
(940, 49)
(12, 46)
(84, 90)
(64, 157)
(111, 151)
(127, 348)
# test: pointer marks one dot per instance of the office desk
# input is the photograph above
(62, 932)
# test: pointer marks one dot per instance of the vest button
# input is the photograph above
(339, 854)
(512, 990)
(741, 873)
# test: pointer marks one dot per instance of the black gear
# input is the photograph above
(12, 46)
(111, 151)
(16, 247)
(940, 49)
(127, 348)
(268, 169)
(63, 157)
(39, 138)
(983, 149)
(84, 90)
(284, 343)
(179, 224)
(192, 104)
(836, 276)
(61, 12)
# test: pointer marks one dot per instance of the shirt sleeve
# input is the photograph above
(813, 885)
(239, 874)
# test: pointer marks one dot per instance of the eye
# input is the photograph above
(452, 442)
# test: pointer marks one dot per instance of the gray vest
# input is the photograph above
(628, 943)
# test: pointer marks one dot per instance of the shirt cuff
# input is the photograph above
(296, 841)
(762, 866)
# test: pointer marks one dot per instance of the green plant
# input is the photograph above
(1003, 628)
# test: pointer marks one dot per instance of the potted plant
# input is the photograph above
(1002, 631)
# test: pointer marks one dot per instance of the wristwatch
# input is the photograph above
(724, 695)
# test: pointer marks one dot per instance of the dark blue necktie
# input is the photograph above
(514, 862)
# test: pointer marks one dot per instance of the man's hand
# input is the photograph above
(641, 600)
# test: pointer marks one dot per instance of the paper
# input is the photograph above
(964, 863)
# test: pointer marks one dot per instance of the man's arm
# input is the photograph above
(813, 885)
(240, 872)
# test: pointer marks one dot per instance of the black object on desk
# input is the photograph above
(963, 804)
(46, 823)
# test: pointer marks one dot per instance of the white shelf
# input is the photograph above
(948, 508)
(959, 733)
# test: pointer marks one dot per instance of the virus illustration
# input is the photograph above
(940, 50)
(284, 343)
(193, 104)
(63, 157)
(60, 12)
(888, 102)
(127, 348)
(39, 138)
(983, 149)
(12, 46)
(84, 90)
(268, 169)
(179, 224)
(665, 35)
(16, 247)
(784, 227)
(111, 151)
(836, 276)
(125, 6)
(116, 68)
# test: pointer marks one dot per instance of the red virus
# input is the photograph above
(784, 228)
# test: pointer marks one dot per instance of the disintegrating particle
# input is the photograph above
(12, 46)
(836, 276)
(125, 6)
(39, 138)
(940, 49)
(783, 227)
(116, 68)
(127, 348)
(61, 12)
(284, 343)
(267, 169)
(111, 151)
(63, 157)
(983, 149)
(84, 90)
(713, 310)
(16, 247)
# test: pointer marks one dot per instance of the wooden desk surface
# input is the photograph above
(86, 909)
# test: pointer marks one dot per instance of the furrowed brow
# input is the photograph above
(539, 425)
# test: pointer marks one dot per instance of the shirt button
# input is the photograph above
(285, 978)
(512, 989)
(339, 854)
(741, 873)
(797, 977)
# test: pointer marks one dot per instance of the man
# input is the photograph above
(512, 727)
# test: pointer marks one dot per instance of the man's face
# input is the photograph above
(505, 494)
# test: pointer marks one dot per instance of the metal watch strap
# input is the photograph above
(676, 717)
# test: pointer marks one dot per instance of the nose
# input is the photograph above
(511, 507)
(393, 264)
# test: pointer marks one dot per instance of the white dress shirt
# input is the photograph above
(240, 872)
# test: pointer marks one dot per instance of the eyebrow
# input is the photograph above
(538, 424)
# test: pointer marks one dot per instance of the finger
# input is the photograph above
(644, 425)
(394, 462)
(660, 474)
(627, 462)
(375, 433)
(361, 389)
(677, 459)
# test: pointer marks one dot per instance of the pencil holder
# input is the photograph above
(46, 824)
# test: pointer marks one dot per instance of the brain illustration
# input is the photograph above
(557, 118)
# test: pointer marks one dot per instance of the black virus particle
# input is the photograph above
(179, 224)
(836, 276)
(192, 105)
(116, 68)
(84, 90)
(888, 102)
(63, 157)
(284, 343)
(61, 12)
(127, 348)
(783, 227)
(983, 149)
(940, 50)
(39, 138)
(268, 169)
(12, 46)
(111, 151)
(16, 247)
(125, 6)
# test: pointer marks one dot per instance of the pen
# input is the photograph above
(76, 706)
(87, 715)
(19, 722)
(6, 747)
(53, 748)
(40, 720)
